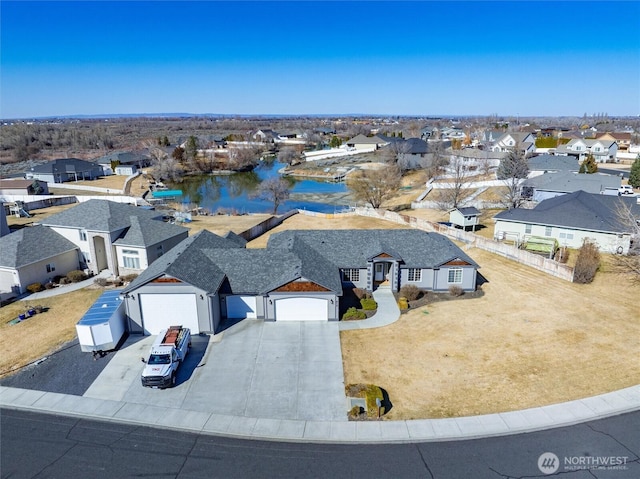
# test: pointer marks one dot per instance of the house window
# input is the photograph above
(51, 268)
(578, 148)
(351, 274)
(455, 275)
(547, 230)
(415, 275)
(83, 235)
(130, 259)
(597, 148)
(527, 229)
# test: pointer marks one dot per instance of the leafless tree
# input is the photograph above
(289, 155)
(376, 186)
(512, 170)
(244, 157)
(275, 190)
(167, 168)
(395, 153)
(628, 216)
(458, 190)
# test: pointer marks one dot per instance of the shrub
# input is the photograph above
(455, 290)
(118, 282)
(76, 276)
(368, 304)
(127, 278)
(64, 280)
(100, 282)
(562, 255)
(410, 291)
(57, 279)
(49, 285)
(360, 293)
(353, 313)
(587, 263)
(34, 287)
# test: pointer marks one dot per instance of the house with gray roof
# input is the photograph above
(548, 185)
(299, 276)
(603, 151)
(118, 237)
(123, 162)
(366, 143)
(34, 254)
(540, 164)
(65, 169)
(571, 219)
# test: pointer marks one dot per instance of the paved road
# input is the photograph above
(610, 171)
(47, 446)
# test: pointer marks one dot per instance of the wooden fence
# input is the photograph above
(266, 225)
(538, 262)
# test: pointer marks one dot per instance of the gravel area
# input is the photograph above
(66, 371)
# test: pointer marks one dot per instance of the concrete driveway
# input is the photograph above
(290, 370)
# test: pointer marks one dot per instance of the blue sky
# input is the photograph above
(304, 57)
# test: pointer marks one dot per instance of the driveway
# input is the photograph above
(290, 370)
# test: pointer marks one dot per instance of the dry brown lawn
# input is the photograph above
(531, 340)
(43, 333)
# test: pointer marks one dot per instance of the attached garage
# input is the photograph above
(241, 307)
(159, 311)
(302, 309)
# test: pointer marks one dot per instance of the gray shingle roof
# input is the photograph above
(65, 165)
(469, 211)
(108, 217)
(30, 245)
(553, 163)
(353, 248)
(579, 210)
(569, 182)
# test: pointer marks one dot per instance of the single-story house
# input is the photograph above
(34, 254)
(570, 219)
(65, 169)
(368, 143)
(126, 162)
(548, 185)
(299, 276)
(23, 187)
(541, 164)
(465, 217)
(265, 135)
(121, 238)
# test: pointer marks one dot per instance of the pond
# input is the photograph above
(233, 193)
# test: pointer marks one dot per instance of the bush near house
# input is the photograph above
(368, 304)
(353, 313)
(35, 287)
(455, 290)
(587, 263)
(76, 276)
(410, 291)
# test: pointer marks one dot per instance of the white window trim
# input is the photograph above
(455, 272)
(351, 274)
(133, 256)
(416, 273)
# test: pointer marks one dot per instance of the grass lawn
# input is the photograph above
(43, 333)
(531, 340)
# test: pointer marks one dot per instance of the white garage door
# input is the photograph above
(239, 307)
(302, 309)
(159, 311)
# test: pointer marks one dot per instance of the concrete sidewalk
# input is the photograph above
(387, 313)
(65, 288)
(557, 415)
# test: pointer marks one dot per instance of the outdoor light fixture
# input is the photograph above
(270, 301)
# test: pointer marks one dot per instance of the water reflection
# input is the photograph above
(233, 193)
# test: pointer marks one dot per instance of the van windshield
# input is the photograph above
(159, 359)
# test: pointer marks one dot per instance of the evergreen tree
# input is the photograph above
(589, 165)
(634, 173)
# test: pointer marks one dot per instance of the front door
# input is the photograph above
(379, 273)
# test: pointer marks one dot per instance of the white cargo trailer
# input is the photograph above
(103, 325)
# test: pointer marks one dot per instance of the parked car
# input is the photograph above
(626, 190)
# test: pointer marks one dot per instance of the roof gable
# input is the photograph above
(32, 244)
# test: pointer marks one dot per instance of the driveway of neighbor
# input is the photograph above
(288, 370)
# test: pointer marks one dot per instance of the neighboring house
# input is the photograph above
(266, 136)
(34, 254)
(4, 226)
(362, 142)
(571, 219)
(117, 237)
(65, 169)
(524, 142)
(23, 187)
(622, 139)
(126, 163)
(465, 217)
(325, 131)
(474, 158)
(299, 276)
(548, 185)
(412, 152)
(429, 132)
(603, 151)
(538, 165)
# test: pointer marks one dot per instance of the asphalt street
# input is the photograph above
(51, 446)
